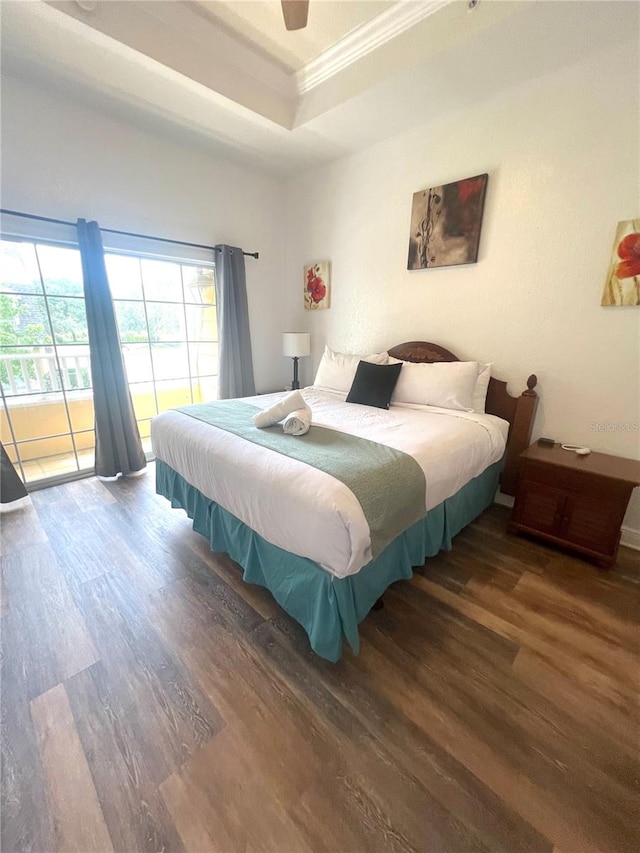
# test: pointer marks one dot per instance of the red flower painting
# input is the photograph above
(629, 253)
(316, 286)
(623, 283)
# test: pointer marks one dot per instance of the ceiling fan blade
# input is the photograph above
(295, 13)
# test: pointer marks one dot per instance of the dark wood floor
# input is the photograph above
(152, 701)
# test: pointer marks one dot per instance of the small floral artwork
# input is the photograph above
(445, 224)
(316, 286)
(623, 282)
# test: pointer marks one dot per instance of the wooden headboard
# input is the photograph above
(519, 411)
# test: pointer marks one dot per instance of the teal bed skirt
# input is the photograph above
(327, 607)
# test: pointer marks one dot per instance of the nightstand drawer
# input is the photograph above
(565, 479)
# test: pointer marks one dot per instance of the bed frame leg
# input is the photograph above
(378, 605)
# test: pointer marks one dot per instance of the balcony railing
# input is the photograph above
(43, 372)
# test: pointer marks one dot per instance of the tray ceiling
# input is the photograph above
(228, 76)
(259, 23)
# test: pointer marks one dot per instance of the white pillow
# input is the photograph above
(447, 384)
(337, 370)
(479, 399)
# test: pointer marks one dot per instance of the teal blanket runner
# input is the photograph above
(388, 484)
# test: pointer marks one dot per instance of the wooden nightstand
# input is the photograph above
(575, 501)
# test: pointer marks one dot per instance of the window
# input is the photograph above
(166, 313)
(47, 417)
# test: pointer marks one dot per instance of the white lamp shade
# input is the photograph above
(296, 344)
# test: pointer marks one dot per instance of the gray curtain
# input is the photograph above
(11, 486)
(236, 361)
(118, 446)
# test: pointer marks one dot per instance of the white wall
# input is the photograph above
(562, 155)
(65, 160)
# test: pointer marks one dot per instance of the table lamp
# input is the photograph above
(296, 345)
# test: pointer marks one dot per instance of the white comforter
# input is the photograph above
(310, 513)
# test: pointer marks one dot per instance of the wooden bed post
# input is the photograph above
(519, 435)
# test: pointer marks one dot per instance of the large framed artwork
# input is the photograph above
(623, 282)
(445, 224)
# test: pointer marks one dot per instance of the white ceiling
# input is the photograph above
(227, 75)
(259, 23)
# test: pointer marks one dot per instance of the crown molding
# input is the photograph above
(365, 39)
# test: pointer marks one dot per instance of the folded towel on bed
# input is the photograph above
(274, 414)
(298, 422)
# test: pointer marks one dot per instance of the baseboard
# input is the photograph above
(630, 538)
(503, 500)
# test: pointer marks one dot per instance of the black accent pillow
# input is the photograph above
(373, 384)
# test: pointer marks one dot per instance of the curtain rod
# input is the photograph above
(255, 255)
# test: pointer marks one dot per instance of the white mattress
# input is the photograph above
(310, 513)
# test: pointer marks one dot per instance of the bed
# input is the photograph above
(328, 521)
